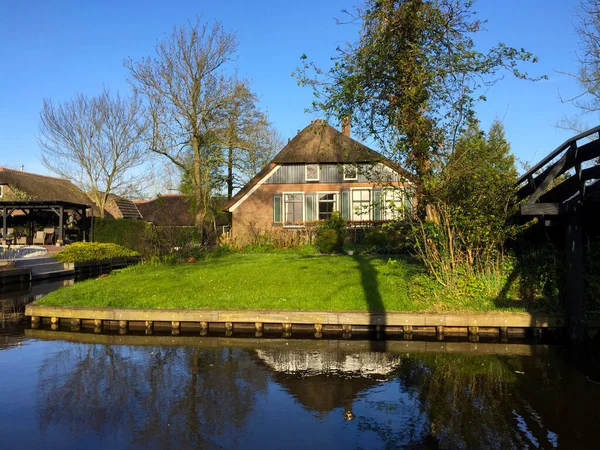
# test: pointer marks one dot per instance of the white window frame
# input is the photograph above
(387, 197)
(350, 178)
(306, 172)
(353, 215)
(284, 217)
(336, 201)
(1, 190)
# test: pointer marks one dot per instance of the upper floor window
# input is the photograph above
(1, 191)
(312, 172)
(350, 172)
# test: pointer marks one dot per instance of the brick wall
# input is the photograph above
(255, 214)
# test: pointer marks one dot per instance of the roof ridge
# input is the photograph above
(6, 169)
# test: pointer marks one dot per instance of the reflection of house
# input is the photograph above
(324, 380)
(320, 171)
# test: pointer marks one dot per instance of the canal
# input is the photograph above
(76, 390)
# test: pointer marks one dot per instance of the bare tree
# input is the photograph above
(186, 93)
(96, 142)
(248, 138)
(588, 72)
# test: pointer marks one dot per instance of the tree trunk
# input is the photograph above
(230, 173)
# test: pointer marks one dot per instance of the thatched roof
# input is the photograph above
(167, 210)
(42, 187)
(122, 208)
(320, 143)
(174, 210)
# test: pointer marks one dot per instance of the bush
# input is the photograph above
(376, 239)
(150, 241)
(128, 233)
(93, 251)
(327, 241)
(331, 234)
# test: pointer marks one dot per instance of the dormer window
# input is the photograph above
(350, 172)
(312, 172)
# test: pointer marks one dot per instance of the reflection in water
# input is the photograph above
(270, 396)
(165, 397)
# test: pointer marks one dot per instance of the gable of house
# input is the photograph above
(320, 171)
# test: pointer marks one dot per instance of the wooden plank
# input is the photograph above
(543, 209)
(392, 318)
(349, 346)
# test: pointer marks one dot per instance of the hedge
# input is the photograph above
(93, 251)
(150, 241)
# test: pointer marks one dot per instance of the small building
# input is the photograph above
(33, 204)
(320, 171)
(169, 210)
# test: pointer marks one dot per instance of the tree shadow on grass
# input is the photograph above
(375, 306)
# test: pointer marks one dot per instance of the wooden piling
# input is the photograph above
(439, 332)
(36, 321)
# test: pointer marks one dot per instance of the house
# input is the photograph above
(176, 210)
(119, 207)
(320, 171)
(27, 199)
(167, 210)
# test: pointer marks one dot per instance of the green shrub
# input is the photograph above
(327, 241)
(331, 234)
(376, 239)
(93, 251)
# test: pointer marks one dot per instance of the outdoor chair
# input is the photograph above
(39, 238)
(49, 239)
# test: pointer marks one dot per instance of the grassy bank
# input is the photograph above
(288, 281)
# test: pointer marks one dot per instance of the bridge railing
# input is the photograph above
(536, 186)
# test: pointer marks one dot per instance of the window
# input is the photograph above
(350, 172)
(361, 201)
(293, 208)
(327, 204)
(312, 172)
(1, 191)
(393, 205)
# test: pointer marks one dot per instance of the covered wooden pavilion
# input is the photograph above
(58, 207)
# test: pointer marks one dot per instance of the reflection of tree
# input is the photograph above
(165, 396)
(461, 401)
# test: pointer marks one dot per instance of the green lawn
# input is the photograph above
(268, 281)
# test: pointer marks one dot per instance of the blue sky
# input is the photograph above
(52, 49)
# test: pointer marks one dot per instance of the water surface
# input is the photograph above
(211, 392)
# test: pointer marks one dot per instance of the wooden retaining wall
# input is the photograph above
(317, 322)
(292, 344)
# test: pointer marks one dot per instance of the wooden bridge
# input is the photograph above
(563, 190)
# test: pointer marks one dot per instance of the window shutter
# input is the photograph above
(310, 202)
(408, 201)
(376, 205)
(346, 205)
(277, 209)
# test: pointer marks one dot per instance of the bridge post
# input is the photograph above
(574, 277)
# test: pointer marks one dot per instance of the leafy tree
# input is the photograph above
(474, 199)
(97, 142)
(413, 77)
